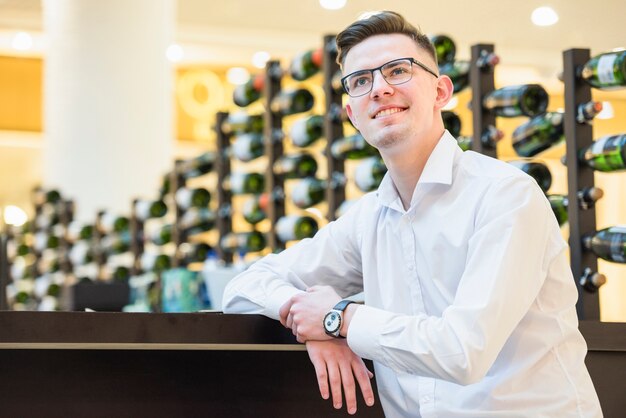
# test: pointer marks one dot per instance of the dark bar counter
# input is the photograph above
(87, 364)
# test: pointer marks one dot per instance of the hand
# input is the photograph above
(304, 313)
(336, 363)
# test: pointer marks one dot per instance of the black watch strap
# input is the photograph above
(343, 304)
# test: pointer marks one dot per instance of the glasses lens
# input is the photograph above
(396, 72)
(359, 83)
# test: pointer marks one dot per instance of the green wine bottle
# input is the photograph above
(452, 122)
(195, 252)
(248, 147)
(308, 192)
(44, 240)
(306, 64)
(538, 171)
(243, 242)
(607, 154)
(464, 142)
(115, 243)
(299, 165)
(307, 130)
(458, 71)
(290, 102)
(295, 227)
(163, 235)
(245, 183)
(522, 100)
(370, 173)
(352, 147)
(249, 92)
(155, 262)
(587, 198)
(42, 196)
(113, 223)
(242, 122)
(538, 134)
(587, 111)
(445, 49)
(197, 220)
(591, 280)
(197, 198)
(606, 71)
(608, 244)
(254, 209)
(145, 209)
(76, 231)
(81, 253)
(198, 166)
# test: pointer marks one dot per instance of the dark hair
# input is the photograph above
(380, 23)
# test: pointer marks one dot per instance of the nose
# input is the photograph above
(380, 86)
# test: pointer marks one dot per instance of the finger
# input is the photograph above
(284, 311)
(363, 376)
(334, 378)
(322, 376)
(349, 387)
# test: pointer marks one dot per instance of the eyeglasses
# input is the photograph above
(394, 72)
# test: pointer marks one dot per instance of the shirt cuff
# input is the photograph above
(278, 297)
(366, 327)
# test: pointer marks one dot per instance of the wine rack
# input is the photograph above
(481, 83)
(224, 197)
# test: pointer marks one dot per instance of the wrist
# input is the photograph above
(347, 317)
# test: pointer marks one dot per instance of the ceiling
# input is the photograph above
(229, 32)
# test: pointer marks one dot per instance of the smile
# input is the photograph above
(387, 112)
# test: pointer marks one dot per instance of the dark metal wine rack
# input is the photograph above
(581, 222)
(481, 83)
(224, 197)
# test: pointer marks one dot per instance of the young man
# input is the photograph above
(469, 299)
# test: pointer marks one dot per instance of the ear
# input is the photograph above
(445, 89)
(351, 116)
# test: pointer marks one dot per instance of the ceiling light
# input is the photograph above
(333, 4)
(14, 215)
(544, 16)
(22, 41)
(174, 53)
(607, 111)
(237, 75)
(259, 59)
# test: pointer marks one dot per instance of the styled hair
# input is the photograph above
(380, 23)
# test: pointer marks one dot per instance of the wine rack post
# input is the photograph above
(577, 136)
(67, 215)
(481, 83)
(4, 268)
(99, 255)
(136, 238)
(273, 150)
(333, 127)
(224, 197)
(177, 181)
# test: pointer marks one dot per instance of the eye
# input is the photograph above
(359, 80)
(396, 70)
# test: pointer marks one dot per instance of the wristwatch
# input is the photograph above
(334, 318)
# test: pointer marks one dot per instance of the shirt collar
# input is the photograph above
(438, 169)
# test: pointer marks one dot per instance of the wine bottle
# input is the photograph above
(352, 147)
(538, 171)
(145, 209)
(464, 142)
(115, 243)
(76, 231)
(585, 112)
(489, 137)
(195, 252)
(81, 253)
(306, 131)
(522, 100)
(308, 192)
(197, 198)
(591, 280)
(451, 122)
(163, 235)
(336, 84)
(243, 242)
(295, 227)
(165, 186)
(155, 262)
(445, 49)
(606, 71)
(458, 71)
(197, 220)
(242, 122)
(113, 223)
(254, 210)
(247, 147)
(198, 166)
(299, 165)
(607, 154)
(244, 183)
(44, 240)
(41, 196)
(538, 134)
(120, 274)
(290, 102)
(608, 244)
(587, 198)
(306, 64)
(48, 217)
(369, 174)
(249, 92)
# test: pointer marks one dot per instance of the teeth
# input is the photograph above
(387, 112)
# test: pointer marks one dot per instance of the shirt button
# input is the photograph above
(426, 398)
(411, 267)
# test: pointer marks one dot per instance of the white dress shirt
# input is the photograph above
(469, 299)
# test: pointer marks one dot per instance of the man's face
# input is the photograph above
(391, 115)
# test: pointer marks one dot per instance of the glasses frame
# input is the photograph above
(371, 71)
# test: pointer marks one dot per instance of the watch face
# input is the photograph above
(332, 321)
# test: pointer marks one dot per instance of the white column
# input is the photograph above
(108, 101)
